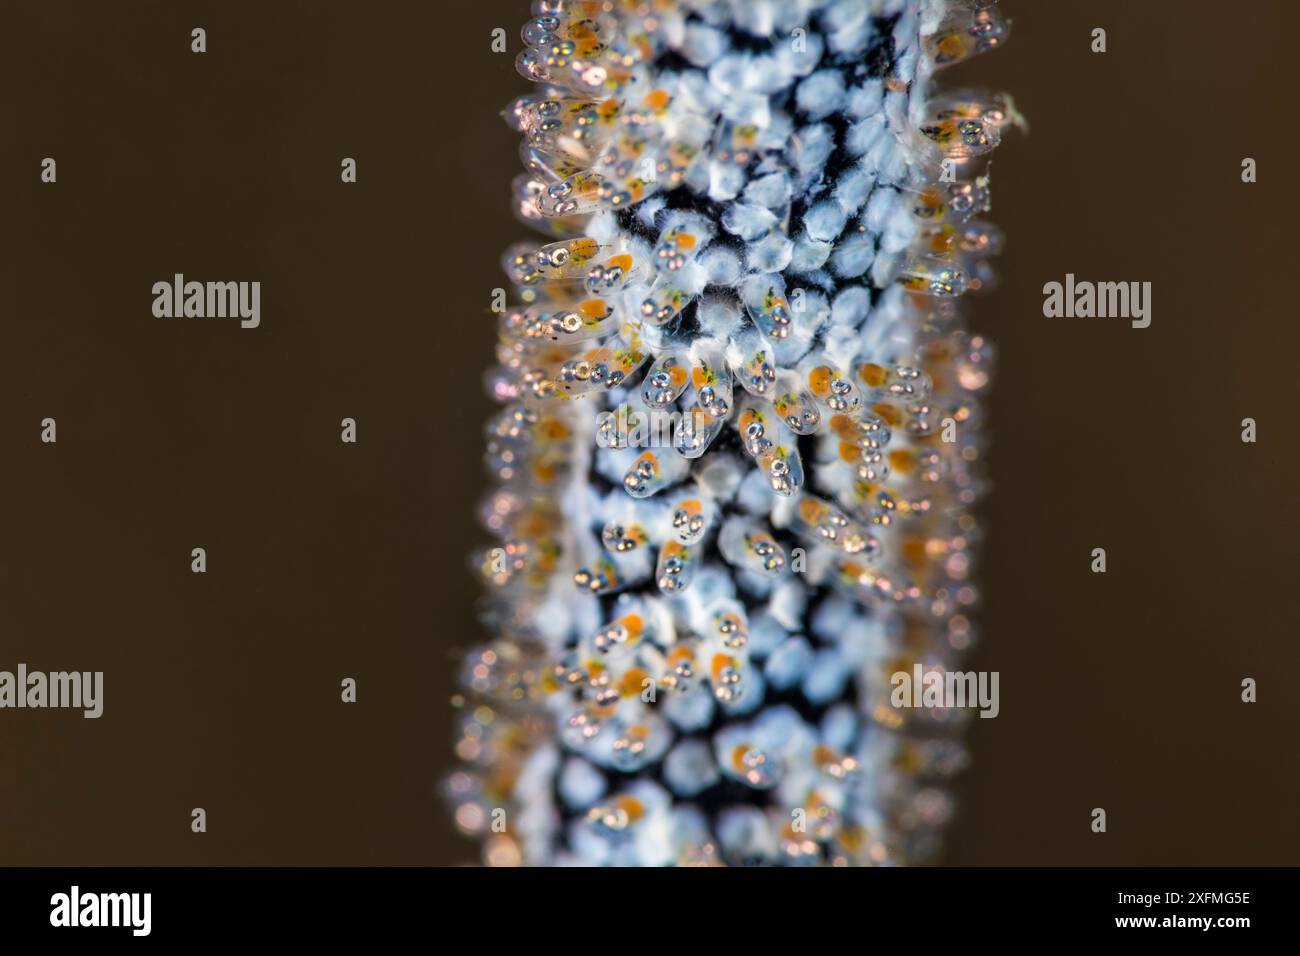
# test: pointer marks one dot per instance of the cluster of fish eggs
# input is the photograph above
(741, 436)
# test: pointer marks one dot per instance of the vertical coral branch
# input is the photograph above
(741, 439)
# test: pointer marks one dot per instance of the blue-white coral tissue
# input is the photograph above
(741, 439)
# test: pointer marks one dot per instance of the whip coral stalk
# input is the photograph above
(741, 436)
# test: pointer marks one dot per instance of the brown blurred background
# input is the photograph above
(328, 560)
